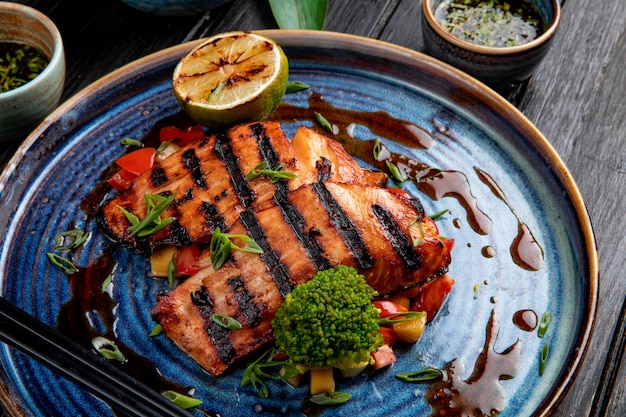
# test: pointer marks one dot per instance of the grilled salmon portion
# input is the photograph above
(383, 234)
(208, 178)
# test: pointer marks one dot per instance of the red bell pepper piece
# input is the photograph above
(181, 137)
(137, 161)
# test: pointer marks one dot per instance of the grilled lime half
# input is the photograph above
(231, 78)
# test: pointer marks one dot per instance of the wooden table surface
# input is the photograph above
(577, 99)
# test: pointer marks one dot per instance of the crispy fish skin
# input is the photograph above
(208, 179)
(312, 228)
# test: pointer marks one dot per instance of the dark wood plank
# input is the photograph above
(577, 100)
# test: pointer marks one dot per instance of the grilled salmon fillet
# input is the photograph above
(314, 227)
(208, 179)
(334, 212)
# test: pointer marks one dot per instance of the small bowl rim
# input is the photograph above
(58, 53)
(492, 50)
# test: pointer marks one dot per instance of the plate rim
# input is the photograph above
(475, 88)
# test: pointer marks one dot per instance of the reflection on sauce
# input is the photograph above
(481, 394)
(488, 251)
(525, 320)
(525, 250)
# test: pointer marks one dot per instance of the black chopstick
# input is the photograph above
(69, 359)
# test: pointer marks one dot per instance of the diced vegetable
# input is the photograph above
(410, 331)
(384, 356)
(187, 259)
(389, 335)
(137, 161)
(402, 300)
(432, 295)
(181, 137)
(447, 242)
(121, 180)
(160, 259)
(322, 380)
(388, 308)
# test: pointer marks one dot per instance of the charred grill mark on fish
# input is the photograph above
(345, 226)
(218, 334)
(248, 308)
(294, 218)
(399, 240)
(223, 148)
(212, 217)
(276, 268)
(192, 163)
(158, 176)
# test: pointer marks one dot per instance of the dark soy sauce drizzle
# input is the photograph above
(525, 320)
(525, 250)
(88, 299)
(90, 313)
(433, 182)
(481, 394)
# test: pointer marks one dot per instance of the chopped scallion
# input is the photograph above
(423, 375)
(225, 321)
(107, 348)
(65, 264)
(330, 398)
(324, 122)
(543, 324)
(181, 400)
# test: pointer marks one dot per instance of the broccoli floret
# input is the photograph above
(329, 321)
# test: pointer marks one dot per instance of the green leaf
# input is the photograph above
(299, 14)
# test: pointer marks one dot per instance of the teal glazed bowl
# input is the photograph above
(175, 7)
(24, 107)
(498, 67)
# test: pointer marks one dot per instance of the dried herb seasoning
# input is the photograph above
(494, 23)
(19, 63)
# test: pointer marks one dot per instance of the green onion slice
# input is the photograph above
(225, 321)
(376, 149)
(106, 282)
(107, 348)
(330, 398)
(156, 330)
(324, 122)
(419, 221)
(273, 174)
(171, 272)
(221, 246)
(153, 222)
(438, 214)
(217, 90)
(423, 375)
(293, 86)
(543, 324)
(181, 400)
(130, 142)
(400, 317)
(71, 239)
(65, 264)
(395, 171)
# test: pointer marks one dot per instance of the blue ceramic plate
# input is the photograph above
(513, 180)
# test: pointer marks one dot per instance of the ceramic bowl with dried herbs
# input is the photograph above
(32, 69)
(500, 42)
